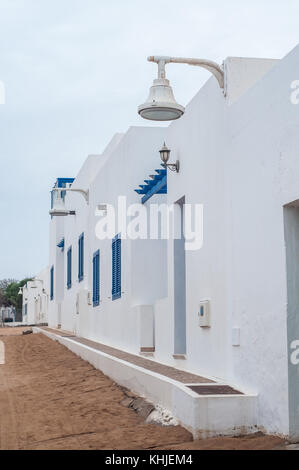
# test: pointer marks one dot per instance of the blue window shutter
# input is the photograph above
(116, 267)
(69, 267)
(96, 278)
(52, 283)
(81, 257)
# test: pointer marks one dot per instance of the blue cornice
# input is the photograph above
(156, 185)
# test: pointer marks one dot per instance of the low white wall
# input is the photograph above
(204, 416)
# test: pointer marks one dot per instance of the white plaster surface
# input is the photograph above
(239, 158)
(36, 296)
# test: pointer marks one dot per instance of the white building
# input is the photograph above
(239, 159)
(36, 299)
(7, 314)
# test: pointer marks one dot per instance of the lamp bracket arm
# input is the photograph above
(209, 65)
(84, 193)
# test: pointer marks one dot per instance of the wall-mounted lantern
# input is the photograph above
(165, 154)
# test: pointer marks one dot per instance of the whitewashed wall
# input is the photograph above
(127, 161)
(264, 164)
(116, 322)
(241, 162)
(56, 259)
(239, 159)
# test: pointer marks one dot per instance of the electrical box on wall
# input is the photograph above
(204, 314)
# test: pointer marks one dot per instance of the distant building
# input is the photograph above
(36, 299)
(7, 314)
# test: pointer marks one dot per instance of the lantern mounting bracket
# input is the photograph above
(84, 193)
(209, 65)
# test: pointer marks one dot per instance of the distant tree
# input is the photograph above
(9, 291)
(12, 293)
(3, 299)
(3, 285)
(5, 282)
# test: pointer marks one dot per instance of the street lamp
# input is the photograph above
(61, 213)
(161, 104)
(165, 154)
(59, 209)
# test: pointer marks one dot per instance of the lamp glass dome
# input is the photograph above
(160, 113)
(164, 153)
(161, 104)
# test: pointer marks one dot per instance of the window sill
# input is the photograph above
(179, 356)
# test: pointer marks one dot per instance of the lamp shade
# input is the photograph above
(161, 104)
(164, 153)
(59, 213)
(58, 209)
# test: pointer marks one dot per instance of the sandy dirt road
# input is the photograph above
(51, 399)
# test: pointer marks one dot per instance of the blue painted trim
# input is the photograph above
(69, 268)
(116, 296)
(116, 267)
(161, 172)
(96, 279)
(81, 257)
(157, 189)
(156, 185)
(61, 244)
(52, 283)
(61, 182)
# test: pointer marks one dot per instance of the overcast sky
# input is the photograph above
(75, 71)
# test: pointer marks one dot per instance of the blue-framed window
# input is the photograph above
(69, 268)
(52, 283)
(81, 257)
(96, 279)
(116, 267)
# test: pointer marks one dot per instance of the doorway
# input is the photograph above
(291, 228)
